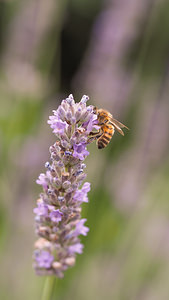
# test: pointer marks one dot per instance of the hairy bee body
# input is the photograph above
(108, 125)
(107, 133)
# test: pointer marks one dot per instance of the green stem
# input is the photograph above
(48, 288)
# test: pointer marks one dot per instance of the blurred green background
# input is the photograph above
(117, 52)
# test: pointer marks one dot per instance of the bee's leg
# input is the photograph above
(94, 135)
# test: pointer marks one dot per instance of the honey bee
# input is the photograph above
(108, 125)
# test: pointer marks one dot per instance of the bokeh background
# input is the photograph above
(117, 52)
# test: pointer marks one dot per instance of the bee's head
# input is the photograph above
(101, 114)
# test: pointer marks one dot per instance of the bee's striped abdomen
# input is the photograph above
(104, 140)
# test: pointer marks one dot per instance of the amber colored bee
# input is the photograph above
(108, 125)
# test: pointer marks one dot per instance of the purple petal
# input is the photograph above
(44, 259)
(59, 127)
(57, 124)
(80, 228)
(91, 123)
(80, 151)
(76, 248)
(86, 187)
(56, 216)
(43, 181)
(81, 194)
(41, 210)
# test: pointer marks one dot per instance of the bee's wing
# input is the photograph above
(118, 125)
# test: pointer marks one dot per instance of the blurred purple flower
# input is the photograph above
(41, 210)
(77, 248)
(44, 259)
(80, 228)
(86, 187)
(56, 216)
(42, 180)
(81, 195)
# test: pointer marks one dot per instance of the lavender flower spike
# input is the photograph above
(58, 212)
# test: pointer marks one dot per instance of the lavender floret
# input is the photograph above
(44, 259)
(77, 248)
(41, 210)
(58, 212)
